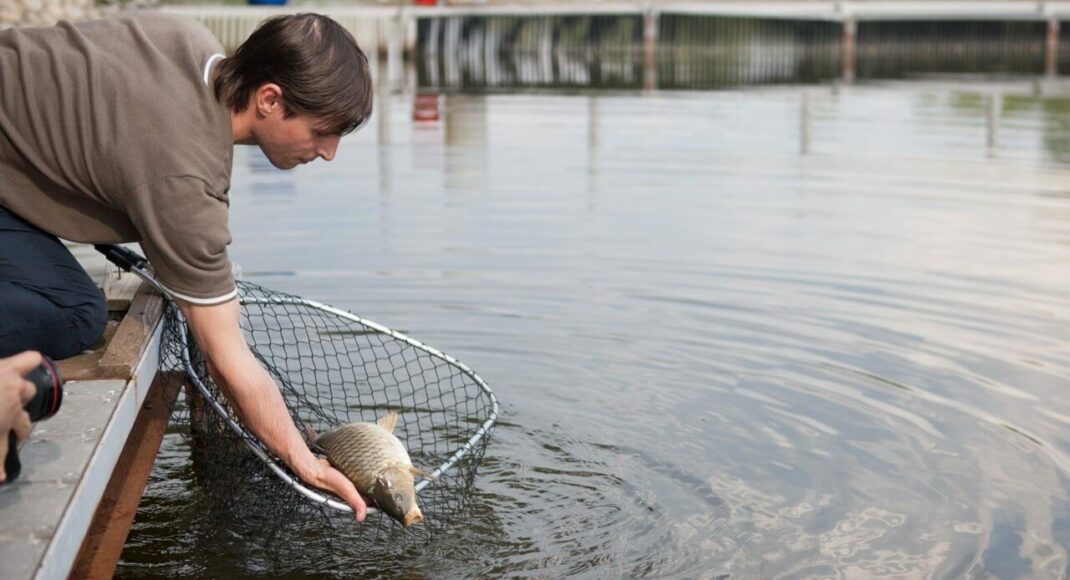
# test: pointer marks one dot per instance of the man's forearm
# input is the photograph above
(256, 399)
(247, 385)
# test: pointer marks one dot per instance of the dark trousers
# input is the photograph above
(48, 302)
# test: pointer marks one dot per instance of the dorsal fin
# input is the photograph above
(313, 438)
(388, 421)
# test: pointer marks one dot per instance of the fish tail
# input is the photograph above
(416, 471)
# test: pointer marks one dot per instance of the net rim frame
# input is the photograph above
(248, 438)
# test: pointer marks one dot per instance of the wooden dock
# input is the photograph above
(84, 470)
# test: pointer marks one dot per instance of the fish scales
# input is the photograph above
(361, 451)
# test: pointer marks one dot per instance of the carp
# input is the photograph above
(373, 458)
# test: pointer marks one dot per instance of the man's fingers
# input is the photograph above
(27, 392)
(22, 363)
(22, 425)
(3, 453)
(345, 489)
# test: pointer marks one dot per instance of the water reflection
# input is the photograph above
(703, 52)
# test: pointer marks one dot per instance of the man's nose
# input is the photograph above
(329, 147)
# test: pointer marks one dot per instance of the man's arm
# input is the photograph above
(257, 400)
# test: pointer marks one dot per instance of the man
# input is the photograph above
(122, 130)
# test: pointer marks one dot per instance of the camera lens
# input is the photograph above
(48, 392)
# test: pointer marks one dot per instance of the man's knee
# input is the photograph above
(89, 320)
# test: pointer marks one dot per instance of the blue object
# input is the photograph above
(266, 2)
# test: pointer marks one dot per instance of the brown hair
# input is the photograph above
(317, 63)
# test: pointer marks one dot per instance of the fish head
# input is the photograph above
(395, 493)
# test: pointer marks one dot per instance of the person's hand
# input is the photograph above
(323, 475)
(15, 392)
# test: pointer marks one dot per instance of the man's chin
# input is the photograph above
(283, 164)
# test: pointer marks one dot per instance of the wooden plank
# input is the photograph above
(130, 339)
(84, 367)
(119, 288)
(115, 513)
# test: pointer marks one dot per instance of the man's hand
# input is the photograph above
(15, 392)
(323, 475)
(256, 399)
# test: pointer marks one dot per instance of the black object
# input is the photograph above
(47, 397)
(122, 257)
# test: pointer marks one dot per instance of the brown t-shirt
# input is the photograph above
(109, 132)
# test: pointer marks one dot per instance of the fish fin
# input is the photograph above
(388, 421)
(313, 438)
(416, 471)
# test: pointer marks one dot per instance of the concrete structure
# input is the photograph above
(45, 12)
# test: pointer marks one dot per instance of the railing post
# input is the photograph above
(1051, 47)
(650, 49)
(395, 49)
(995, 111)
(847, 49)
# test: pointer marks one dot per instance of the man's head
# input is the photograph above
(298, 84)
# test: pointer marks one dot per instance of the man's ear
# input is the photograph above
(268, 99)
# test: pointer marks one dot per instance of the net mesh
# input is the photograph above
(332, 369)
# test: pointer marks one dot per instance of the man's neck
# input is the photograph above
(241, 127)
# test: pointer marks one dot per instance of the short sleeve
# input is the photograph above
(185, 234)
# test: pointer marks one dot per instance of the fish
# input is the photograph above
(373, 458)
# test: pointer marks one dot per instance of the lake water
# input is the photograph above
(778, 332)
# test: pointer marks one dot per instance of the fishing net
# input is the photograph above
(333, 368)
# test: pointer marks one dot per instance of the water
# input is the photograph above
(718, 356)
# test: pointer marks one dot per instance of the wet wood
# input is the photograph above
(115, 513)
(130, 339)
(198, 411)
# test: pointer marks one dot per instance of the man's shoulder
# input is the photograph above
(171, 124)
(167, 32)
(179, 29)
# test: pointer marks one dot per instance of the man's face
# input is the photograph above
(289, 142)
